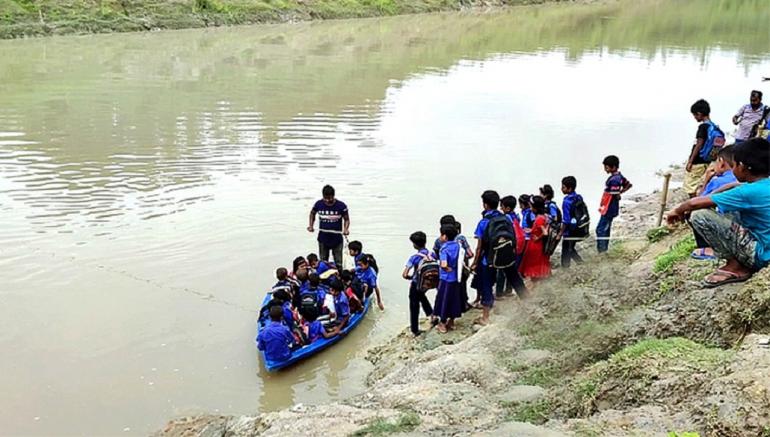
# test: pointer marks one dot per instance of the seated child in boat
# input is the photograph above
(347, 281)
(285, 282)
(355, 250)
(321, 267)
(368, 278)
(275, 339)
(314, 299)
(341, 313)
(298, 263)
(314, 330)
(281, 299)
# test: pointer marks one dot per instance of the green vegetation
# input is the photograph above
(407, 422)
(656, 234)
(683, 434)
(626, 377)
(536, 412)
(680, 251)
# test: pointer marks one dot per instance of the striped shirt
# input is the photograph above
(749, 117)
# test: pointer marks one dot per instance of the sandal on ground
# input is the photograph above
(729, 278)
(700, 254)
(442, 329)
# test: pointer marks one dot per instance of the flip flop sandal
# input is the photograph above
(700, 254)
(730, 278)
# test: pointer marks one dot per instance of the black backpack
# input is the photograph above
(373, 263)
(552, 238)
(558, 219)
(308, 305)
(499, 242)
(427, 273)
(582, 220)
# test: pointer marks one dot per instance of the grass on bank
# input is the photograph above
(407, 422)
(680, 251)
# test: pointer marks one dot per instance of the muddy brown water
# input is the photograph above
(151, 183)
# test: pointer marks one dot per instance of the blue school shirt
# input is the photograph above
(341, 306)
(314, 331)
(566, 210)
(414, 261)
(527, 220)
(275, 340)
(330, 218)
(449, 253)
(288, 315)
(553, 210)
(323, 266)
(719, 181)
(752, 200)
(368, 277)
(615, 183)
(482, 226)
(460, 239)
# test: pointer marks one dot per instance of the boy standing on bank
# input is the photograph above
(609, 208)
(698, 163)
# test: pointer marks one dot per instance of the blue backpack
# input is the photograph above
(714, 142)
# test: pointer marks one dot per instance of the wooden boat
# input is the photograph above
(318, 345)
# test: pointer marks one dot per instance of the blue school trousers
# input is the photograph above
(603, 233)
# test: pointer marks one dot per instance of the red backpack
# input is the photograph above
(520, 237)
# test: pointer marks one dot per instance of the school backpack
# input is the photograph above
(373, 263)
(581, 220)
(558, 218)
(499, 242)
(427, 273)
(552, 237)
(714, 142)
(282, 287)
(308, 305)
(521, 239)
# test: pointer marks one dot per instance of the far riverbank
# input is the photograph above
(25, 18)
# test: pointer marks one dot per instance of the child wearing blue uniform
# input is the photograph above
(275, 339)
(551, 208)
(486, 275)
(341, 304)
(448, 305)
(723, 175)
(527, 216)
(616, 185)
(368, 278)
(417, 297)
(743, 241)
(569, 251)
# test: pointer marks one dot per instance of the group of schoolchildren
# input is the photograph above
(315, 301)
(510, 247)
(729, 190)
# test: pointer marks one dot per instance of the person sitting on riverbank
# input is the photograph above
(743, 241)
(748, 116)
(722, 176)
(417, 296)
(449, 305)
(609, 207)
(275, 339)
(368, 278)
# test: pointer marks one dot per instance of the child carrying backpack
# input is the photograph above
(576, 222)
(422, 272)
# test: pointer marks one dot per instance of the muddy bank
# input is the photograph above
(24, 18)
(625, 344)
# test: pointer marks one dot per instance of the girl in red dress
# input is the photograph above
(536, 264)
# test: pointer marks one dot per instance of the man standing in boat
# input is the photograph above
(333, 223)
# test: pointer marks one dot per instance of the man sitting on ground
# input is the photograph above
(744, 241)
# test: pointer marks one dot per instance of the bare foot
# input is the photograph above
(441, 328)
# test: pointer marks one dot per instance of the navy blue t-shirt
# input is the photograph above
(330, 218)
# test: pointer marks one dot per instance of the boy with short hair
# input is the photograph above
(571, 198)
(745, 241)
(368, 278)
(748, 117)
(609, 207)
(341, 304)
(486, 275)
(355, 250)
(275, 339)
(504, 287)
(417, 297)
(696, 164)
(723, 175)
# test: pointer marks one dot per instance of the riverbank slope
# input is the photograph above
(22, 18)
(626, 344)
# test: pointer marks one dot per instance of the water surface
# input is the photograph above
(151, 183)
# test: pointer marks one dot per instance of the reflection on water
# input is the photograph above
(151, 183)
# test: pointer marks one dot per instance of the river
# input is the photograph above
(151, 183)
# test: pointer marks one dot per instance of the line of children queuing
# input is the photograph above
(314, 301)
(509, 247)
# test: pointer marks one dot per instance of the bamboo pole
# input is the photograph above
(664, 197)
